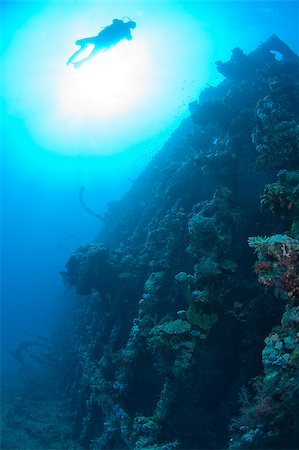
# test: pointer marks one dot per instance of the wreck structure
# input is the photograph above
(185, 330)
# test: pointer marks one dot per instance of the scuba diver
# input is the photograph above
(110, 35)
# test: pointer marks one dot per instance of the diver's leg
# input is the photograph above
(86, 41)
(90, 56)
(83, 45)
(77, 52)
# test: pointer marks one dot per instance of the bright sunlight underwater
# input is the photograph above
(108, 85)
(80, 111)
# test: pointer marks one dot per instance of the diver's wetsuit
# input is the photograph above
(111, 35)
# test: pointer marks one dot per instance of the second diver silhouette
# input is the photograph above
(110, 35)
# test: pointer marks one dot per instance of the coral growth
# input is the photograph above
(269, 410)
(282, 198)
(97, 267)
(278, 265)
(276, 135)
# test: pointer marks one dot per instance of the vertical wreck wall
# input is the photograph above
(174, 305)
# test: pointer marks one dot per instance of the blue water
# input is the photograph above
(47, 155)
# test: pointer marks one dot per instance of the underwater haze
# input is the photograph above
(63, 129)
(75, 140)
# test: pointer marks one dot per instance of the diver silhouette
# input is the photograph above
(110, 35)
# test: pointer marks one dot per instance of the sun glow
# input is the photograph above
(110, 83)
(135, 92)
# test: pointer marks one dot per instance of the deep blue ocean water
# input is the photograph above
(54, 139)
